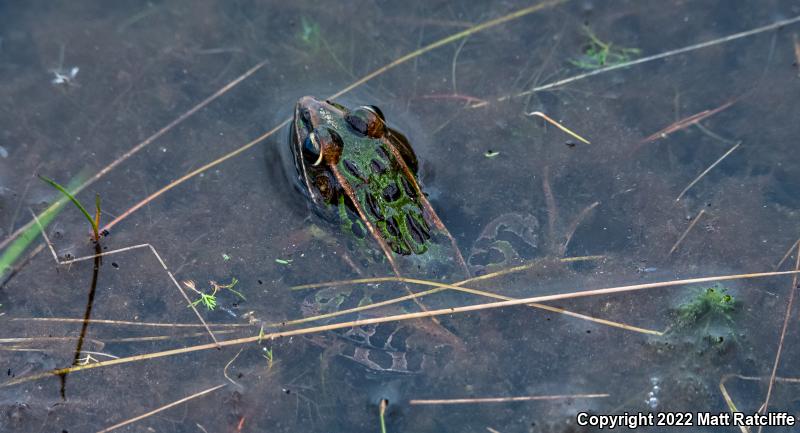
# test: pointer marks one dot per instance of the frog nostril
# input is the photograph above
(305, 115)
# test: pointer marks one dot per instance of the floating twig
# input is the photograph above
(225, 370)
(552, 208)
(686, 232)
(786, 317)
(796, 52)
(684, 123)
(454, 96)
(788, 253)
(729, 401)
(557, 125)
(574, 226)
(160, 409)
(697, 179)
(503, 399)
(127, 323)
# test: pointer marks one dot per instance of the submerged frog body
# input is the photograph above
(382, 348)
(357, 171)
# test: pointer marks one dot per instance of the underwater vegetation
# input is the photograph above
(707, 320)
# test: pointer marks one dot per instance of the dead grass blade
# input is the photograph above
(485, 277)
(192, 174)
(686, 122)
(574, 226)
(558, 125)
(786, 317)
(725, 155)
(503, 399)
(128, 323)
(161, 409)
(686, 232)
(729, 401)
(788, 253)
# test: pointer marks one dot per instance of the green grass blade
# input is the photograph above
(12, 253)
(75, 201)
(381, 413)
(96, 212)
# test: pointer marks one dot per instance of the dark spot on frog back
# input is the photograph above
(419, 232)
(408, 188)
(353, 169)
(391, 192)
(372, 206)
(377, 167)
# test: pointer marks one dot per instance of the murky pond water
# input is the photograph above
(690, 108)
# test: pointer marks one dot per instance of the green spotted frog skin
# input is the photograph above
(357, 170)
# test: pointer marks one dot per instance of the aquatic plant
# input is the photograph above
(268, 355)
(209, 300)
(597, 54)
(94, 222)
(15, 250)
(309, 32)
(382, 413)
(707, 320)
(714, 304)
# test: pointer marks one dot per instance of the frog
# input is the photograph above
(361, 174)
(355, 169)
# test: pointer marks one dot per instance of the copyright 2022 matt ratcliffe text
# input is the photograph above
(685, 419)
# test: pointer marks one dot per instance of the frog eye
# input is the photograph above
(325, 144)
(311, 148)
(375, 110)
(367, 121)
